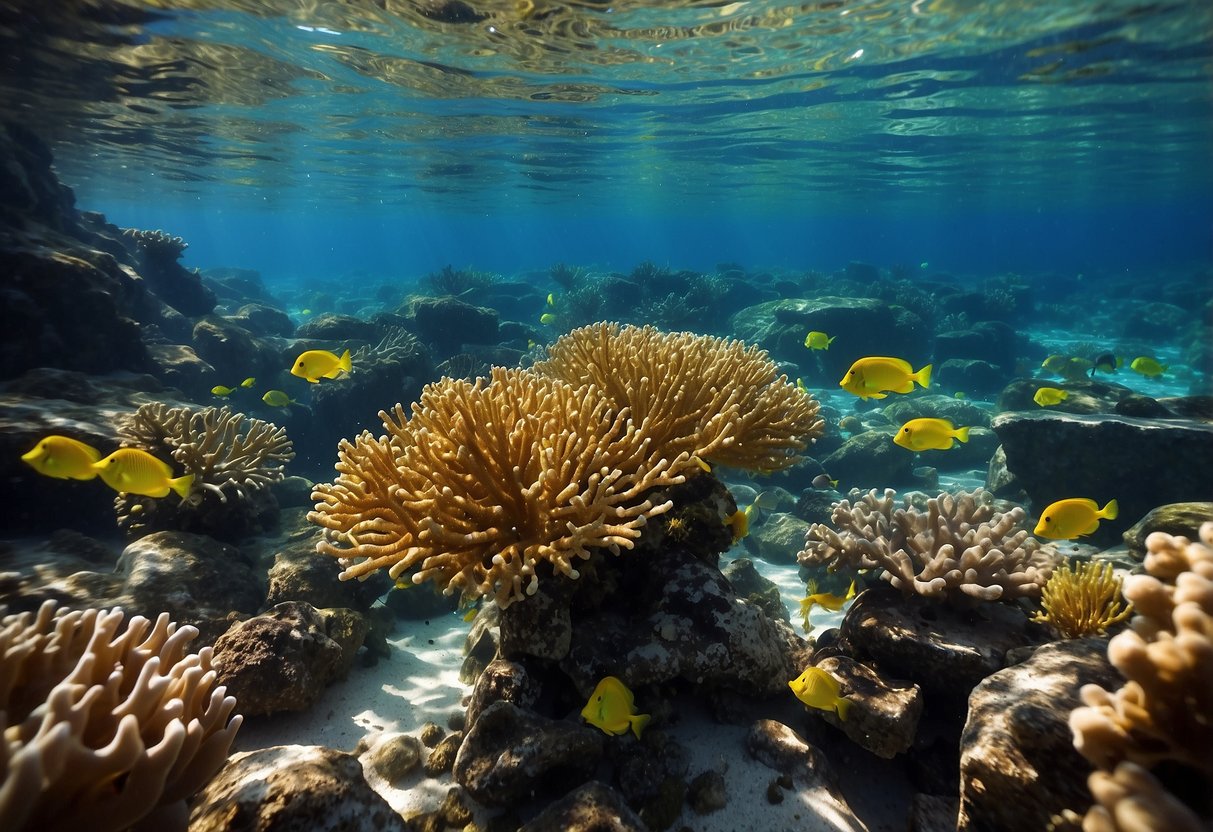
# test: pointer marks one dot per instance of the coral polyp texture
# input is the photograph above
(487, 480)
(717, 399)
(960, 548)
(104, 725)
(1082, 601)
(1159, 722)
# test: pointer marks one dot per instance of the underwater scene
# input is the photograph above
(687, 415)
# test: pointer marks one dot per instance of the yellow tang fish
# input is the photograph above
(1049, 396)
(135, 471)
(800, 385)
(222, 392)
(872, 377)
(1147, 366)
(612, 709)
(818, 689)
(818, 340)
(63, 458)
(1075, 517)
(276, 398)
(248, 382)
(547, 318)
(739, 522)
(314, 365)
(929, 435)
(551, 299)
(826, 600)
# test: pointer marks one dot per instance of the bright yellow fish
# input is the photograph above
(1147, 366)
(875, 376)
(222, 392)
(248, 382)
(1075, 517)
(826, 600)
(818, 340)
(551, 299)
(929, 435)
(613, 710)
(314, 365)
(135, 471)
(1049, 396)
(800, 385)
(547, 318)
(276, 398)
(739, 522)
(63, 458)
(818, 689)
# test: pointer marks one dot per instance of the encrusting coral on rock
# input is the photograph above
(233, 459)
(960, 548)
(1082, 601)
(714, 398)
(1155, 733)
(103, 728)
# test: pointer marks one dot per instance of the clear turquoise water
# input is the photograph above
(392, 138)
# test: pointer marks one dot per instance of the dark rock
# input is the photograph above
(1154, 320)
(349, 629)
(292, 788)
(1084, 396)
(816, 504)
(945, 650)
(299, 574)
(961, 413)
(1192, 407)
(293, 492)
(179, 366)
(237, 286)
(447, 323)
(593, 807)
(329, 327)
(1141, 406)
(541, 627)
(442, 758)
(432, 734)
(871, 459)
(156, 254)
(1177, 519)
(260, 319)
(196, 579)
(420, 602)
(232, 350)
(884, 713)
(393, 756)
(1018, 764)
(1143, 463)
(755, 588)
(510, 754)
(707, 793)
(999, 481)
(933, 813)
(779, 747)
(994, 342)
(503, 681)
(278, 661)
(971, 376)
(778, 538)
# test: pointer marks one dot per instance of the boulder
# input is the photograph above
(1084, 396)
(447, 323)
(330, 327)
(778, 538)
(884, 713)
(261, 320)
(960, 412)
(871, 460)
(1176, 518)
(994, 342)
(593, 807)
(970, 375)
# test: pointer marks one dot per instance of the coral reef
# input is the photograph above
(1082, 601)
(960, 548)
(103, 728)
(233, 459)
(710, 397)
(487, 479)
(1159, 720)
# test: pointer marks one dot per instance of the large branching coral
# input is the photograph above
(960, 548)
(233, 459)
(709, 397)
(487, 480)
(104, 727)
(1160, 722)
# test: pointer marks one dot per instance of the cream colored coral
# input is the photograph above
(960, 548)
(226, 451)
(1130, 799)
(102, 726)
(487, 480)
(710, 397)
(1164, 711)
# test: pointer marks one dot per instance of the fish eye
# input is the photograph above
(905, 430)
(1048, 519)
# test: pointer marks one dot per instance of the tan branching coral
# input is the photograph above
(1082, 601)
(486, 480)
(226, 451)
(104, 727)
(1163, 716)
(710, 397)
(960, 548)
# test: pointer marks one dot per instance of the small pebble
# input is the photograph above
(774, 793)
(431, 734)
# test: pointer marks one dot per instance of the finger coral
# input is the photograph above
(104, 727)
(1160, 719)
(233, 459)
(959, 548)
(710, 397)
(487, 480)
(1082, 601)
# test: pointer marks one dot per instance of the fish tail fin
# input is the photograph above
(182, 485)
(830, 340)
(962, 434)
(345, 364)
(1110, 511)
(923, 376)
(841, 706)
(639, 722)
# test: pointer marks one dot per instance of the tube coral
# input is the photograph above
(486, 480)
(713, 398)
(1082, 601)
(103, 727)
(960, 548)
